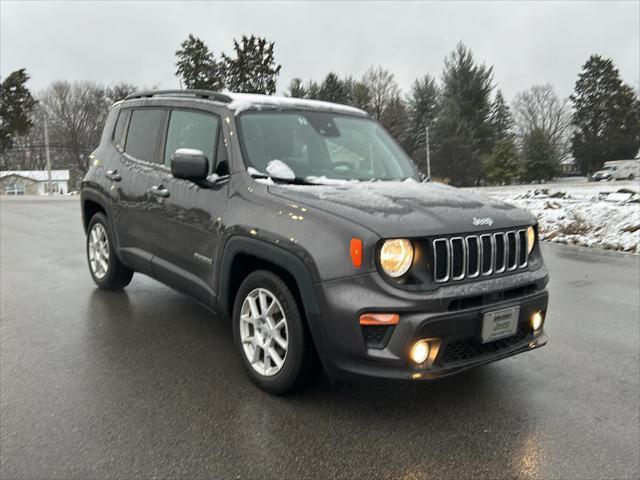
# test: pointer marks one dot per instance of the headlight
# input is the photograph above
(531, 239)
(396, 257)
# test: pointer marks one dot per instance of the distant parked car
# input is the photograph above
(618, 170)
(15, 191)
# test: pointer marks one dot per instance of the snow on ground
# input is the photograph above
(604, 214)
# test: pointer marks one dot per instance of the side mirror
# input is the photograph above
(189, 164)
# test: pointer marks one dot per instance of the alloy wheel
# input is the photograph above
(98, 251)
(263, 332)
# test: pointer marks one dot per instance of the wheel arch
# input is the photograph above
(89, 209)
(92, 202)
(243, 255)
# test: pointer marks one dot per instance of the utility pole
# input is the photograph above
(428, 154)
(48, 155)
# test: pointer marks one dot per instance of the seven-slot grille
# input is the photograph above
(471, 256)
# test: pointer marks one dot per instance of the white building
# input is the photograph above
(34, 182)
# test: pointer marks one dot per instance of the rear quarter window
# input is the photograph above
(120, 130)
(145, 134)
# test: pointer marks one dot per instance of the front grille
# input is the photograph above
(471, 256)
(469, 349)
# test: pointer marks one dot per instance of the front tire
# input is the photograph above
(269, 333)
(104, 265)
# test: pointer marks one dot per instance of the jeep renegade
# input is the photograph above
(307, 225)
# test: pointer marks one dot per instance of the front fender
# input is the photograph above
(302, 271)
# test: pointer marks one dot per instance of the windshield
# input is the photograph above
(608, 167)
(316, 145)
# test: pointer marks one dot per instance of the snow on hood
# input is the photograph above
(407, 208)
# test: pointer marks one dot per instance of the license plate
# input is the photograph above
(500, 324)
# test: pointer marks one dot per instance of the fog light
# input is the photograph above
(420, 351)
(536, 321)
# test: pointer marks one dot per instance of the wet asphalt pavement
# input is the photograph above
(146, 383)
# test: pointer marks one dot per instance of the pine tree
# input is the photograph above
(502, 165)
(16, 105)
(253, 70)
(197, 68)
(541, 158)
(606, 116)
(501, 119)
(463, 132)
(312, 90)
(349, 83)
(296, 89)
(361, 96)
(332, 89)
(395, 120)
(423, 102)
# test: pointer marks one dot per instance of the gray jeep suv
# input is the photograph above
(307, 225)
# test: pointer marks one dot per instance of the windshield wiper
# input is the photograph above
(289, 181)
(294, 181)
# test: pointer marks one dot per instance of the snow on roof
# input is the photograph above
(37, 175)
(245, 101)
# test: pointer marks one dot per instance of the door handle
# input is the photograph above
(113, 175)
(159, 191)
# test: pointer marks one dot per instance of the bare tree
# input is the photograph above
(120, 91)
(539, 108)
(382, 89)
(76, 113)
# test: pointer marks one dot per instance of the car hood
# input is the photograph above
(407, 209)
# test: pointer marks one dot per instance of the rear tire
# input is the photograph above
(270, 334)
(105, 267)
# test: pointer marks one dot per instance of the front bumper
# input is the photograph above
(452, 314)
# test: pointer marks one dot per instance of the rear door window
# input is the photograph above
(144, 135)
(119, 132)
(189, 129)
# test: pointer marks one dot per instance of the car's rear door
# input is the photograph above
(188, 217)
(131, 174)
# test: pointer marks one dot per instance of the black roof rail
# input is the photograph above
(210, 94)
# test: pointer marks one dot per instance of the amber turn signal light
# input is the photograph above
(355, 249)
(379, 319)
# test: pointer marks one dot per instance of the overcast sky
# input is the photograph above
(527, 43)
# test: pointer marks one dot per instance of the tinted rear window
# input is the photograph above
(145, 134)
